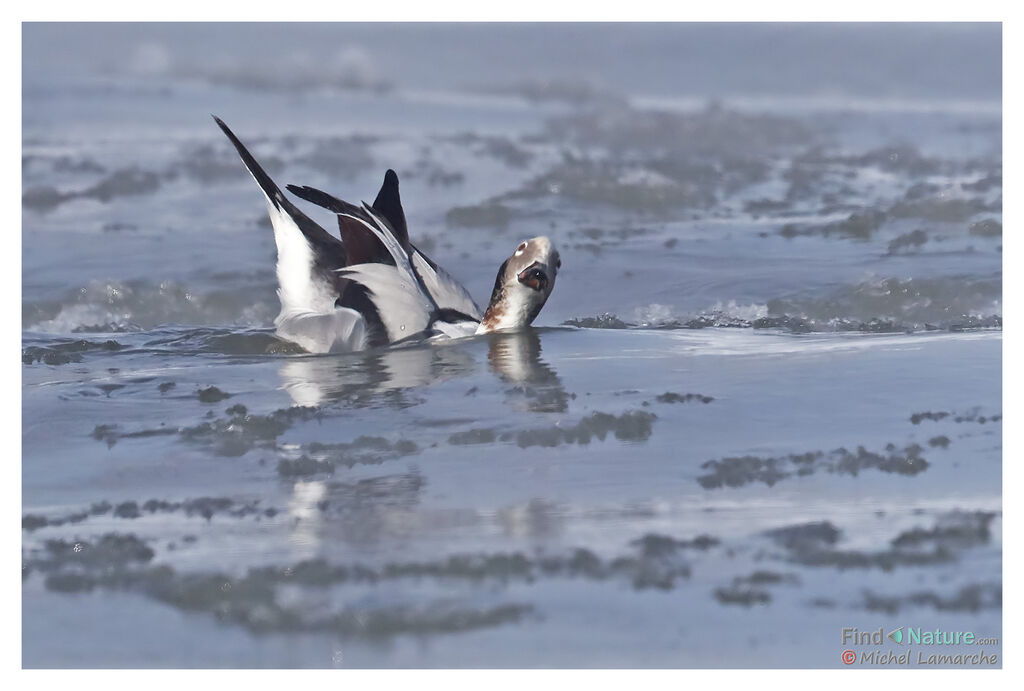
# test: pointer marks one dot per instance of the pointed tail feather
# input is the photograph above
(270, 189)
(307, 255)
(313, 232)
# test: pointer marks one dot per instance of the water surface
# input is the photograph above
(763, 403)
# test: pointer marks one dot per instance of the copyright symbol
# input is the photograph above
(849, 657)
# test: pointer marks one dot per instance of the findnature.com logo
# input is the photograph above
(931, 650)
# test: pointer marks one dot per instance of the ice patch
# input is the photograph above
(654, 315)
(749, 312)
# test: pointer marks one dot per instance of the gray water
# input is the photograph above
(762, 405)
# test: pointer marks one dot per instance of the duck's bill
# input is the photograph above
(534, 276)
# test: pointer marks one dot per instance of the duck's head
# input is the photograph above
(524, 282)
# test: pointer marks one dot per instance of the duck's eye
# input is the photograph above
(521, 248)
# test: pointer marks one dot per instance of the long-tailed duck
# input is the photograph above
(374, 287)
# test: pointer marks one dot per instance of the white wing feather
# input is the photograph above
(396, 251)
(403, 307)
(342, 330)
(406, 295)
(446, 291)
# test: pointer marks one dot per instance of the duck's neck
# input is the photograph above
(511, 307)
(493, 319)
(495, 312)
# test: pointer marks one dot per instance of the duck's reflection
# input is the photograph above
(380, 509)
(306, 518)
(391, 376)
(515, 358)
(377, 377)
(360, 513)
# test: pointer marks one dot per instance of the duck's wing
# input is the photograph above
(404, 306)
(388, 205)
(307, 255)
(404, 309)
(342, 330)
(366, 221)
(446, 292)
(362, 246)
